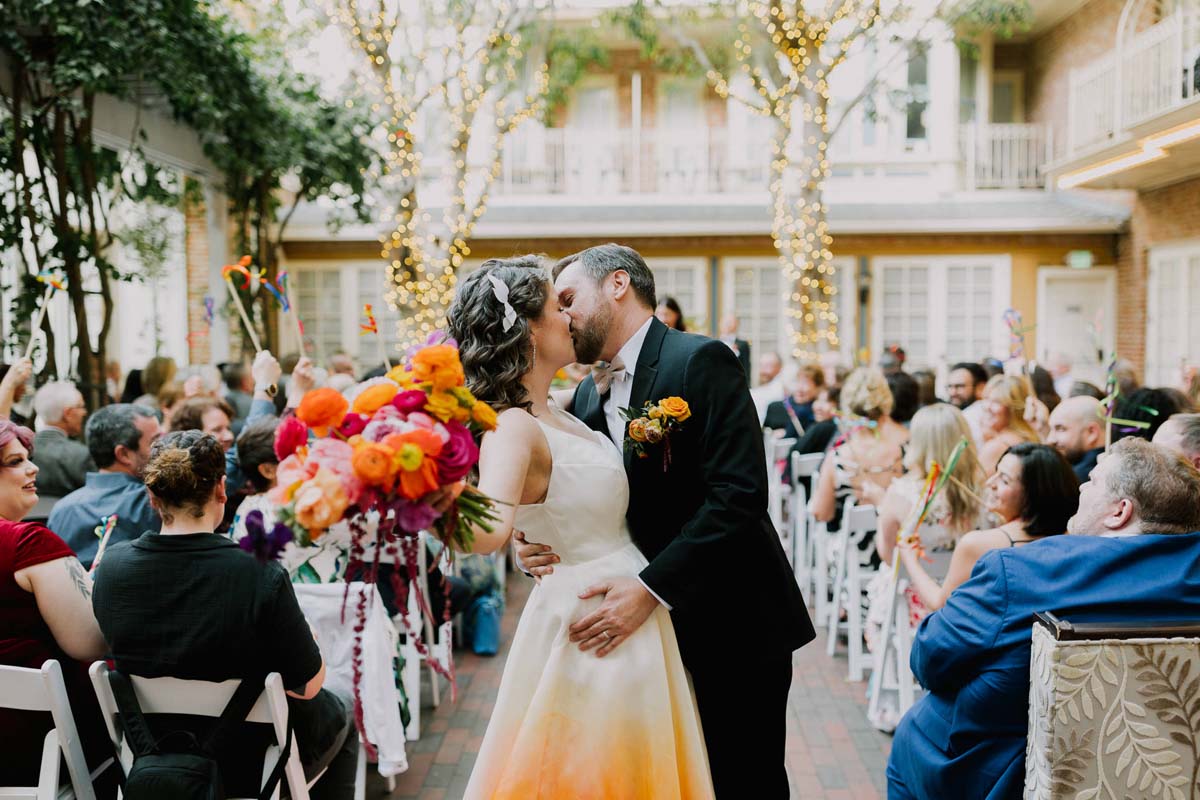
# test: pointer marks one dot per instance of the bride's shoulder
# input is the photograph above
(513, 425)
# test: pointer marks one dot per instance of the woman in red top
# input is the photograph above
(45, 612)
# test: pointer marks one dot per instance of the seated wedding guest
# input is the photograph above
(239, 385)
(1132, 555)
(871, 452)
(670, 313)
(1043, 387)
(45, 612)
(1003, 424)
(794, 414)
(220, 615)
(133, 386)
(926, 387)
(1149, 406)
(1085, 389)
(770, 388)
(63, 461)
(119, 438)
(1033, 492)
(906, 396)
(13, 378)
(207, 414)
(1179, 399)
(964, 388)
(992, 366)
(158, 374)
(1077, 431)
(819, 435)
(1181, 433)
(935, 431)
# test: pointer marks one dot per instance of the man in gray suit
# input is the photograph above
(63, 462)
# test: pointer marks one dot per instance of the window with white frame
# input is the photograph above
(1173, 311)
(318, 296)
(941, 309)
(686, 280)
(754, 293)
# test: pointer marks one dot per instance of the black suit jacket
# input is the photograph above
(715, 557)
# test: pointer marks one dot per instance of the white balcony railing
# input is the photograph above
(707, 161)
(1150, 72)
(1006, 156)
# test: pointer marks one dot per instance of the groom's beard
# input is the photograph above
(589, 339)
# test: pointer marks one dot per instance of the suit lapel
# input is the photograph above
(591, 407)
(646, 372)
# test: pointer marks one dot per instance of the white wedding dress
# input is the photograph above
(567, 723)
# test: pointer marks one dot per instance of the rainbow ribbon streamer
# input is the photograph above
(1016, 333)
(279, 296)
(229, 270)
(281, 283)
(1109, 404)
(210, 310)
(371, 326)
(51, 278)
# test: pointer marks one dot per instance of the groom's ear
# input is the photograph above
(620, 283)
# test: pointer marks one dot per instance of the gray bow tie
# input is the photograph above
(604, 373)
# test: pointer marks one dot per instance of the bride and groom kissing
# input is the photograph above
(654, 656)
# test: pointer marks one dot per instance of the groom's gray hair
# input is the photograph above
(603, 260)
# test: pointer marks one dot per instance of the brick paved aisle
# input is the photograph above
(832, 753)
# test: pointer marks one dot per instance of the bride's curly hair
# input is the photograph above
(495, 360)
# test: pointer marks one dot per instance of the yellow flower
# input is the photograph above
(637, 430)
(465, 398)
(401, 375)
(676, 408)
(442, 405)
(655, 412)
(484, 415)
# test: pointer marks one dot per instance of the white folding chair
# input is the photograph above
(205, 699)
(43, 689)
(803, 466)
(777, 451)
(890, 661)
(850, 579)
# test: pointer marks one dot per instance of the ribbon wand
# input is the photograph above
(52, 284)
(227, 272)
(373, 327)
(110, 523)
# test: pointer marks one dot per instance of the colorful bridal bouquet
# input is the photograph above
(404, 438)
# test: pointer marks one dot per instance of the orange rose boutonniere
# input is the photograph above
(653, 425)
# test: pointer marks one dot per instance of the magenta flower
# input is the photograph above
(413, 517)
(352, 425)
(291, 435)
(458, 455)
(409, 401)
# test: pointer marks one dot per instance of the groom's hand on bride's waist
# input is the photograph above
(533, 558)
(627, 604)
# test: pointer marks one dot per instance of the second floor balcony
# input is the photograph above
(583, 163)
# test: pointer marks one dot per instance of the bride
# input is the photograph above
(567, 723)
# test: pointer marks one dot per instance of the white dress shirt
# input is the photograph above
(766, 394)
(974, 415)
(622, 385)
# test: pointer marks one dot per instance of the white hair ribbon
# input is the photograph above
(500, 289)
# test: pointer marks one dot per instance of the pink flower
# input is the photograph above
(335, 456)
(290, 435)
(458, 455)
(320, 502)
(409, 401)
(352, 425)
(292, 471)
(415, 516)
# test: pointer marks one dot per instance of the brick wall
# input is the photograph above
(1160, 216)
(196, 253)
(1085, 35)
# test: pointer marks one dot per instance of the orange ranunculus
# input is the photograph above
(443, 405)
(415, 452)
(484, 415)
(374, 464)
(245, 261)
(374, 397)
(439, 366)
(322, 409)
(637, 429)
(320, 502)
(676, 408)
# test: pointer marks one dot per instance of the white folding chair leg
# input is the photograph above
(835, 605)
(47, 787)
(904, 676)
(854, 618)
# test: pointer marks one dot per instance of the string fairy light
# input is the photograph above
(806, 49)
(467, 64)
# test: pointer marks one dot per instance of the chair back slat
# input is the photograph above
(23, 689)
(806, 465)
(195, 698)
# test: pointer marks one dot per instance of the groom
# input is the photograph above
(715, 559)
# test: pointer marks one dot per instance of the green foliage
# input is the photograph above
(1004, 18)
(569, 56)
(640, 21)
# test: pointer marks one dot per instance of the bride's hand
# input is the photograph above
(533, 558)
